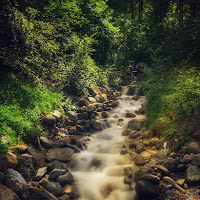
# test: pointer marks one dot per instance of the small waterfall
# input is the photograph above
(124, 90)
(99, 171)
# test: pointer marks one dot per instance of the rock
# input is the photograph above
(192, 147)
(154, 140)
(130, 115)
(83, 102)
(96, 126)
(180, 182)
(20, 148)
(26, 166)
(96, 163)
(142, 158)
(61, 154)
(126, 132)
(66, 179)
(192, 174)
(67, 189)
(187, 158)
(128, 172)
(151, 178)
(53, 187)
(12, 160)
(65, 197)
(72, 130)
(127, 180)
(146, 142)
(39, 193)
(163, 154)
(57, 114)
(174, 184)
(46, 142)
(141, 172)
(15, 181)
(72, 116)
(2, 177)
(139, 147)
(7, 194)
(95, 90)
(92, 99)
(196, 160)
(136, 97)
(171, 164)
(162, 169)
(49, 120)
(56, 172)
(131, 90)
(137, 123)
(90, 108)
(40, 173)
(134, 134)
(104, 114)
(146, 189)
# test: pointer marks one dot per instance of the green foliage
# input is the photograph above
(172, 98)
(21, 107)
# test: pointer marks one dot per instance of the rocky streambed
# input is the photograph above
(101, 150)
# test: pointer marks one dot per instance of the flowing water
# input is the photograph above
(99, 170)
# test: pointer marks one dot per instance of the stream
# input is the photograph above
(99, 171)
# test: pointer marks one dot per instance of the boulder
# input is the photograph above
(57, 114)
(2, 177)
(139, 147)
(192, 174)
(40, 173)
(104, 114)
(12, 160)
(90, 108)
(196, 160)
(56, 172)
(20, 148)
(126, 132)
(97, 126)
(130, 115)
(61, 154)
(192, 147)
(72, 116)
(187, 158)
(7, 194)
(65, 197)
(83, 102)
(92, 100)
(49, 120)
(146, 189)
(137, 123)
(66, 179)
(53, 187)
(171, 164)
(26, 166)
(141, 172)
(39, 193)
(59, 165)
(151, 178)
(15, 181)
(162, 169)
(46, 142)
(142, 158)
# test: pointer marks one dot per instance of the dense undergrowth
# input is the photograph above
(21, 107)
(173, 102)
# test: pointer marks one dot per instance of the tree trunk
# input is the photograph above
(140, 11)
(181, 12)
(131, 1)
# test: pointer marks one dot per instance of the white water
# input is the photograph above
(99, 170)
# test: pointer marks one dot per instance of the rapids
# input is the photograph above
(99, 170)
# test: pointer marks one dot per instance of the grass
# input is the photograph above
(21, 107)
(173, 101)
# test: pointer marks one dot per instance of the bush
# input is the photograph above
(21, 107)
(172, 99)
